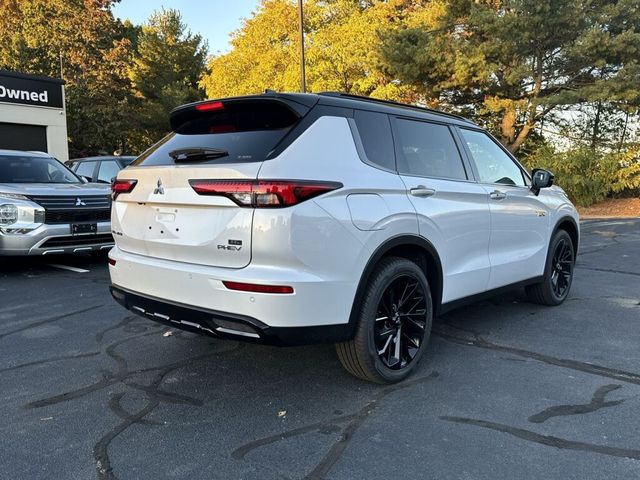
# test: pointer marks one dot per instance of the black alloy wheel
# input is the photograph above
(562, 268)
(400, 323)
(393, 324)
(554, 287)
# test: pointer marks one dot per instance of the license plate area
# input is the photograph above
(83, 228)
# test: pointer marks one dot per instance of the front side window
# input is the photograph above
(375, 133)
(28, 169)
(86, 169)
(428, 150)
(494, 166)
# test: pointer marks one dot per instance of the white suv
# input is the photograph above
(291, 219)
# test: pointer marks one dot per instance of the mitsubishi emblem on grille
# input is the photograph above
(159, 190)
(80, 203)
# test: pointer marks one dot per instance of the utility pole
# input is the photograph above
(303, 82)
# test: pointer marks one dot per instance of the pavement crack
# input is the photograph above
(548, 440)
(49, 320)
(598, 401)
(593, 369)
(352, 422)
(50, 360)
(608, 270)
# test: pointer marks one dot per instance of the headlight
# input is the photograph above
(20, 216)
(8, 214)
(14, 196)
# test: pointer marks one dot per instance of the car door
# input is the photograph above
(453, 210)
(519, 219)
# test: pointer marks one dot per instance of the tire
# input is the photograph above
(558, 272)
(372, 353)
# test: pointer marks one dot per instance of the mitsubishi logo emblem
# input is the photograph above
(159, 190)
(80, 203)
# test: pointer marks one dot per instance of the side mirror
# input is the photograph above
(540, 178)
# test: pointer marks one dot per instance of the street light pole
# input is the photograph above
(303, 82)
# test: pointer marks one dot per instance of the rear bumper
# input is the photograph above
(54, 239)
(225, 324)
(317, 302)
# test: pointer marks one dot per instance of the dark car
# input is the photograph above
(100, 169)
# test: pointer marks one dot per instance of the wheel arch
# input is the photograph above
(569, 225)
(412, 247)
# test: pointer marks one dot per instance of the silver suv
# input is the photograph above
(292, 218)
(45, 208)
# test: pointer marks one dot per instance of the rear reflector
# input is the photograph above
(251, 287)
(112, 262)
(264, 193)
(209, 106)
(122, 186)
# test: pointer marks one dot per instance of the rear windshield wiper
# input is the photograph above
(195, 154)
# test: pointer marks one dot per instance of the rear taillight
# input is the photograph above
(264, 193)
(252, 287)
(122, 186)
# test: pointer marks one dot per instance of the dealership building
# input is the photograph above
(32, 114)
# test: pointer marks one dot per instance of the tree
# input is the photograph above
(510, 63)
(82, 42)
(164, 74)
(339, 40)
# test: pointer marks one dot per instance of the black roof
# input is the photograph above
(344, 100)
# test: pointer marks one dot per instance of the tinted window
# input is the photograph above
(428, 150)
(494, 166)
(26, 169)
(86, 169)
(375, 133)
(247, 132)
(108, 170)
(126, 160)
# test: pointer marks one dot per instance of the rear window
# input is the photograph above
(27, 169)
(246, 131)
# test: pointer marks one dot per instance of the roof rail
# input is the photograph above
(391, 103)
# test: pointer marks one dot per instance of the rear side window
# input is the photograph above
(242, 131)
(375, 133)
(108, 170)
(428, 150)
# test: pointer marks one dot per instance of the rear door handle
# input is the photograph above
(422, 191)
(498, 195)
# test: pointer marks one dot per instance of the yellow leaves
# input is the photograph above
(341, 38)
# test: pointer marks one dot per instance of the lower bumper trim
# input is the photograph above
(225, 324)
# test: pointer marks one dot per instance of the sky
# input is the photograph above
(213, 19)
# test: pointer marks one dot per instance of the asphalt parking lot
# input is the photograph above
(508, 390)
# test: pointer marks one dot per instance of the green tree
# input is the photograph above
(82, 42)
(510, 63)
(165, 71)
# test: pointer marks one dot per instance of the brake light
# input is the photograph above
(209, 106)
(252, 287)
(264, 193)
(122, 186)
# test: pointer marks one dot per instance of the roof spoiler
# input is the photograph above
(299, 104)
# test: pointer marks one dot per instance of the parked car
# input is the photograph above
(298, 218)
(102, 169)
(45, 208)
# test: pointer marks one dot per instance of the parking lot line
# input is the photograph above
(67, 267)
